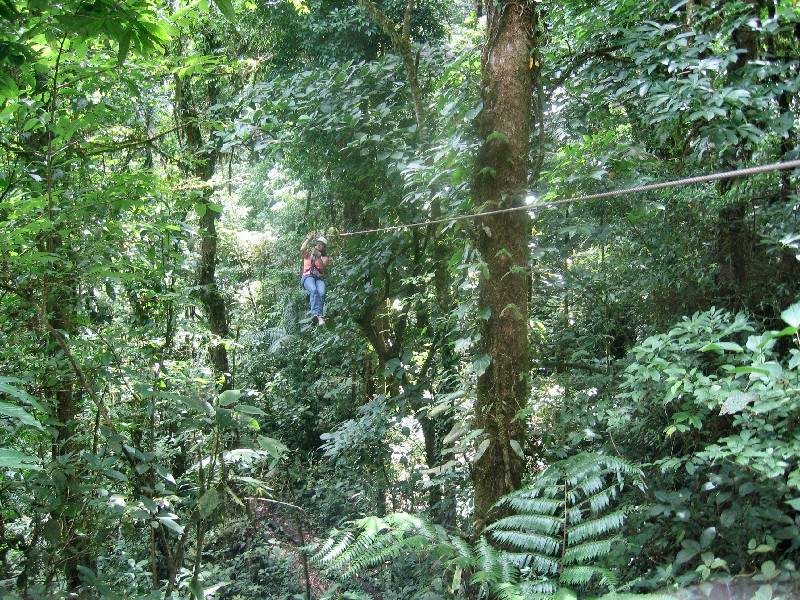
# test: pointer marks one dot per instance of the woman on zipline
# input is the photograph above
(315, 266)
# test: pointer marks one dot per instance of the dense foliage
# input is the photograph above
(172, 424)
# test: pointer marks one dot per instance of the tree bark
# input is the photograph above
(205, 158)
(500, 181)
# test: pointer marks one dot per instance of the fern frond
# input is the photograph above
(632, 596)
(488, 559)
(521, 556)
(618, 465)
(326, 545)
(592, 485)
(508, 591)
(529, 542)
(380, 540)
(544, 524)
(577, 494)
(542, 506)
(610, 522)
(588, 551)
(462, 548)
(383, 549)
(556, 490)
(336, 549)
(538, 587)
(509, 570)
(275, 337)
(538, 563)
(583, 575)
(602, 499)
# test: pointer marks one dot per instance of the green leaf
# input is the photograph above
(435, 411)
(565, 594)
(792, 315)
(197, 589)
(88, 574)
(498, 136)
(514, 310)
(794, 503)
(19, 414)
(201, 406)
(721, 347)
(124, 47)
(462, 345)
(774, 369)
(753, 370)
(736, 402)
(763, 593)
(170, 523)
(249, 409)
(456, 432)
(768, 570)
(728, 517)
(226, 7)
(480, 364)
(8, 385)
(517, 448)
(456, 583)
(275, 448)
(481, 449)
(685, 555)
(208, 502)
(8, 87)
(707, 537)
(13, 459)
(229, 397)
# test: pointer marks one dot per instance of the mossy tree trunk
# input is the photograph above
(500, 181)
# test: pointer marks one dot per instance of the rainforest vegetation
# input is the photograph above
(577, 397)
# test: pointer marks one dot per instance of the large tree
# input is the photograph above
(500, 182)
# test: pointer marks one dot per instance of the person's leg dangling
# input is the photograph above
(309, 285)
(320, 283)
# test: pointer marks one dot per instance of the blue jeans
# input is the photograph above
(315, 288)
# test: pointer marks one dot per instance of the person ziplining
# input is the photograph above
(315, 257)
(312, 278)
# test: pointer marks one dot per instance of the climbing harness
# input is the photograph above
(780, 166)
(310, 268)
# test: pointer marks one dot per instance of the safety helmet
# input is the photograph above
(322, 239)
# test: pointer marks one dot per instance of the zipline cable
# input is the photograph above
(779, 166)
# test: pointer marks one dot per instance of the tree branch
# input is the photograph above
(559, 366)
(131, 143)
(584, 57)
(406, 33)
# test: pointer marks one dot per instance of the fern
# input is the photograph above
(564, 523)
(554, 537)
(276, 336)
(380, 539)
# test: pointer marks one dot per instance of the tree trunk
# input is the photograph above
(60, 308)
(500, 181)
(205, 157)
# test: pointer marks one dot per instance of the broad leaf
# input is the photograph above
(13, 459)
